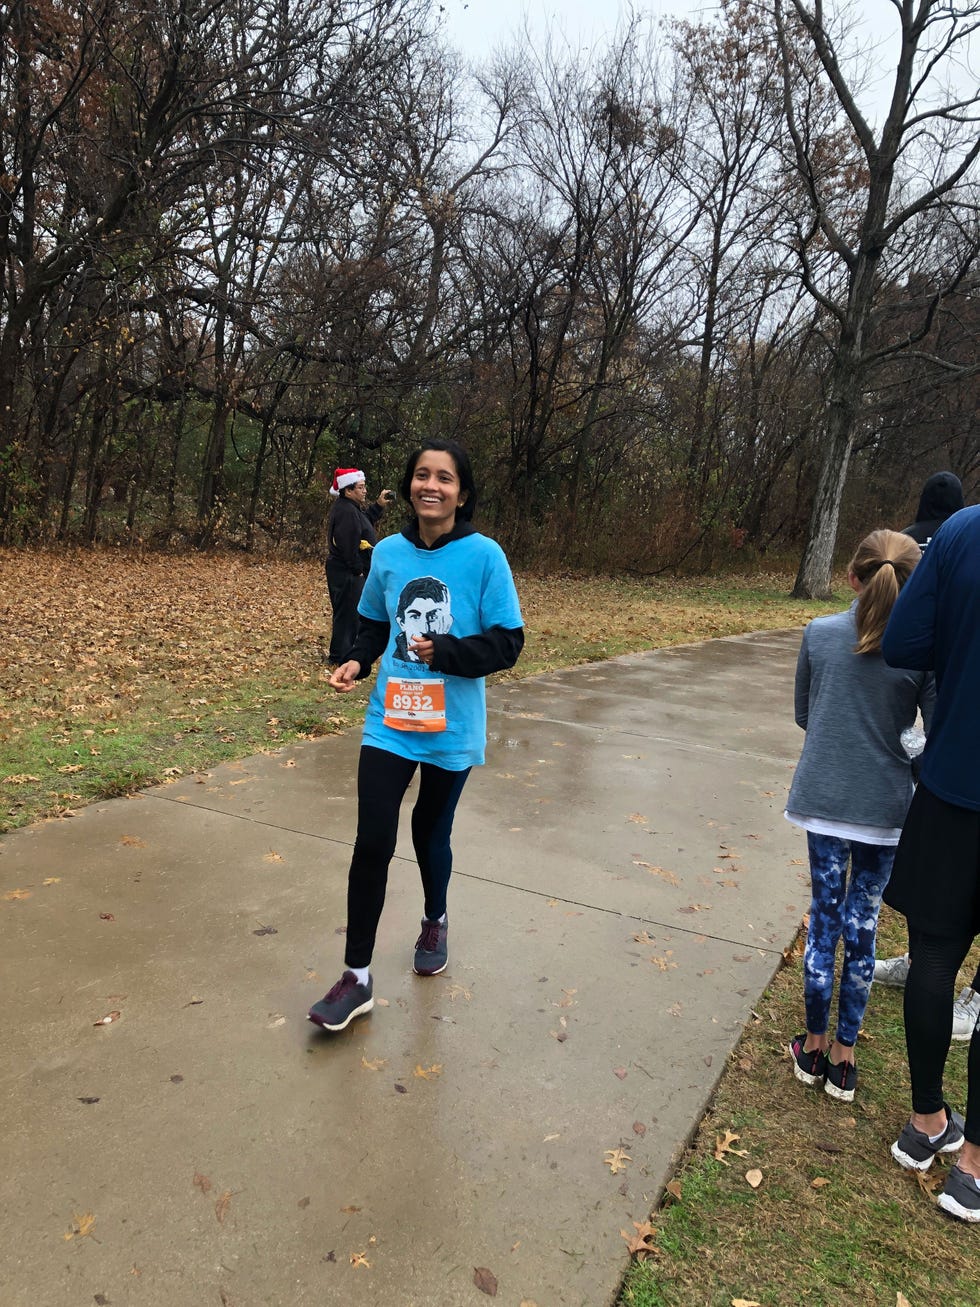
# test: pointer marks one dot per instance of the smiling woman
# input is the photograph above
(441, 610)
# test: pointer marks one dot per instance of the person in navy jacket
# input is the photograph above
(935, 625)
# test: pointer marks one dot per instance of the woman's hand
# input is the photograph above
(423, 649)
(344, 677)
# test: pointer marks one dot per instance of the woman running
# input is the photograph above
(440, 608)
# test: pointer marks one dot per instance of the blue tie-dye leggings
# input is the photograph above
(842, 905)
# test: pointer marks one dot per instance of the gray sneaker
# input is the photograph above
(966, 1013)
(340, 1005)
(892, 971)
(432, 948)
(914, 1150)
(960, 1195)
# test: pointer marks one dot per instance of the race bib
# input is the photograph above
(415, 705)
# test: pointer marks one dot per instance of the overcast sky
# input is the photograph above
(476, 27)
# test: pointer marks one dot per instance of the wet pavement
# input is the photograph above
(625, 884)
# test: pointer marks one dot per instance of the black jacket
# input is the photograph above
(351, 535)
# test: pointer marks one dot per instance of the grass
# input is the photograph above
(834, 1218)
(117, 671)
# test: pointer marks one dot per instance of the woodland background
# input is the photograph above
(685, 300)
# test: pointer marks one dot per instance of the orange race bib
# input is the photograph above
(415, 705)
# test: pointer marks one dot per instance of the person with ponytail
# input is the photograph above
(850, 793)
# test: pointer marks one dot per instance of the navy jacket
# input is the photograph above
(935, 625)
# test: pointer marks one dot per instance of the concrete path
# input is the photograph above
(625, 885)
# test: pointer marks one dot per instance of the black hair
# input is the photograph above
(464, 470)
(422, 587)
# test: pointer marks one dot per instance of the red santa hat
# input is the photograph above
(344, 477)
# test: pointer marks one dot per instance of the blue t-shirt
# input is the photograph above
(464, 588)
(935, 625)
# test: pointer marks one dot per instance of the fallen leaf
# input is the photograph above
(664, 963)
(818, 1182)
(745, 1302)
(106, 916)
(221, 1206)
(400, 1089)
(360, 1259)
(754, 1178)
(22, 778)
(548, 1138)
(638, 818)
(637, 1244)
(133, 842)
(616, 1159)
(428, 1072)
(485, 1281)
(374, 1063)
(51, 880)
(644, 938)
(278, 1020)
(620, 1072)
(81, 1226)
(930, 1182)
(723, 1145)
(901, 1300)
(639, 1128)
(273, 856)
(14, 894)
(350, 1209)
(674, 1189)
(201, 1182)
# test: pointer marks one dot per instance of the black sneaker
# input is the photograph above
(914, 1150)
(842, 1078)
(809, 1068)
(340, 1005)
(961, 1195)
(431, 948)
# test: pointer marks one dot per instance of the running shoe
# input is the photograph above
(340, 1005)
(842, 1078)
(432, 948)
(892, 971)
(966, 1013)
(809, 1068)
(914, 1150)
(960, 1195)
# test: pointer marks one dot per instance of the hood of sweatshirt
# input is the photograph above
(942, 496)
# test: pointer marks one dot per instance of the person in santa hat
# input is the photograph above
(351, 538)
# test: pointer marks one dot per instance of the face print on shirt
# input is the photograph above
(424, 610)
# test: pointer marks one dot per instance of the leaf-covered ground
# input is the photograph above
(118, 669)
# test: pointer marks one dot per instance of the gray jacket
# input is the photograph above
(854, 708)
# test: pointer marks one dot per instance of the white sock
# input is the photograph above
(441, 920)
(361, 973)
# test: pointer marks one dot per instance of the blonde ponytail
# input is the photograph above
(882, 562)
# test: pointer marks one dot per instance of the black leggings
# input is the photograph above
(929, 993)
(382, 779)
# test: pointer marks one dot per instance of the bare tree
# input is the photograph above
(865, 195)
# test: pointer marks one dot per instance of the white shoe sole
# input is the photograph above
(358, 1012)
(437, 972)
(949, 1204)
(913, 1164)
(842, 1095)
